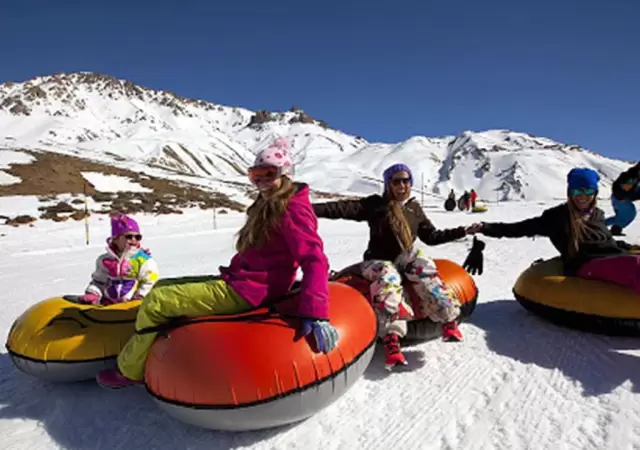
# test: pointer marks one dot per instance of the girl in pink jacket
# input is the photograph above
(279, 236)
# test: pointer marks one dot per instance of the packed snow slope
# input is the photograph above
(515, 382)
(111, 120)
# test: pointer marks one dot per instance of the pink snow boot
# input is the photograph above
(113, 379)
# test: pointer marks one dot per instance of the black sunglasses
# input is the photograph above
(398, 181)
(137, 237)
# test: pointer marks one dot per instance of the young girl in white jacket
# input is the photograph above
(126, 271)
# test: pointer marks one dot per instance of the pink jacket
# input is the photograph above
(260, 275)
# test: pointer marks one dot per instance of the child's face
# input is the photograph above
(127, 240)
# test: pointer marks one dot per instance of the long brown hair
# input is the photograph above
(264, 215)
(577, 227)
(398, 222)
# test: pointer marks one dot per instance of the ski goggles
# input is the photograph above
(581, 191)
(263, 173)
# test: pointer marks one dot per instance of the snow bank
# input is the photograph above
(113, 183)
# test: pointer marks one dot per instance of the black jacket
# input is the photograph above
(382, 241)
(628, 177)
(554, 223)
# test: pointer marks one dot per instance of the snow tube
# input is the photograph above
(586, 305)
(479, 209)
(461, 204)
(450, 204)
(251, 371)
(422, 328)
(60, 340)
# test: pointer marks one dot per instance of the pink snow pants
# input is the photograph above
(623, 270)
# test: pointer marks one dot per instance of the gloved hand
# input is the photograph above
(325, 334)
(91, 298)
(112, 267)
(474, 264)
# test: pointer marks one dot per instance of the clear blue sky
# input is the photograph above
(565, 69)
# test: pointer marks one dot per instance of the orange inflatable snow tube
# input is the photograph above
(251, 371)
(423, 328)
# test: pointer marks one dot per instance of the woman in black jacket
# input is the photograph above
(577, 230)
(395, 222)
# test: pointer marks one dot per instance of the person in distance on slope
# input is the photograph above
(126, 271)
(279, 235)
(625, 191)
(474, 197)
(577, 230)
(395, 221)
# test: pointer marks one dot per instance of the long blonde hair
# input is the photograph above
(399, 224)
(264, 215)
(577, 226)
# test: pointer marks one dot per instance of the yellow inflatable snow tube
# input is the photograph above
(60, 340)
(478, 209)
(587, 305)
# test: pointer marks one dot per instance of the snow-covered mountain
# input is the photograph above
(114, 121)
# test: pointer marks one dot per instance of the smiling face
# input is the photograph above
(582, 198)
(400, 186)
(126, 241)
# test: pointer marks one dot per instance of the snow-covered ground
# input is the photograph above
(516, 382)
(112, 183)
(7, 158)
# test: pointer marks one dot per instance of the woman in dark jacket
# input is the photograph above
(395, 221)
(577, 230)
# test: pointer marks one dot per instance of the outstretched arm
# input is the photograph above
(342, 209)
(428, 233)
(536, 226)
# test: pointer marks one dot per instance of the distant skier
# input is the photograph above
(450, 202)
(625, 191)
(474, 197)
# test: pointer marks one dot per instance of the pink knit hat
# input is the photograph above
(278, 154)
(121, 224)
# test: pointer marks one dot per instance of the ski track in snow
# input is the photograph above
(515, 382)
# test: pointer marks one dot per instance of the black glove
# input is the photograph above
(474, 264)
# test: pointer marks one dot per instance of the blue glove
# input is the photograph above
(325, 334)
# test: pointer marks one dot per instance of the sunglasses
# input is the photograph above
(264, 173)
(399, 181)
(129, 237)
(582, 191)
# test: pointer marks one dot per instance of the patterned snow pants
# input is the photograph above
(437, 301)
